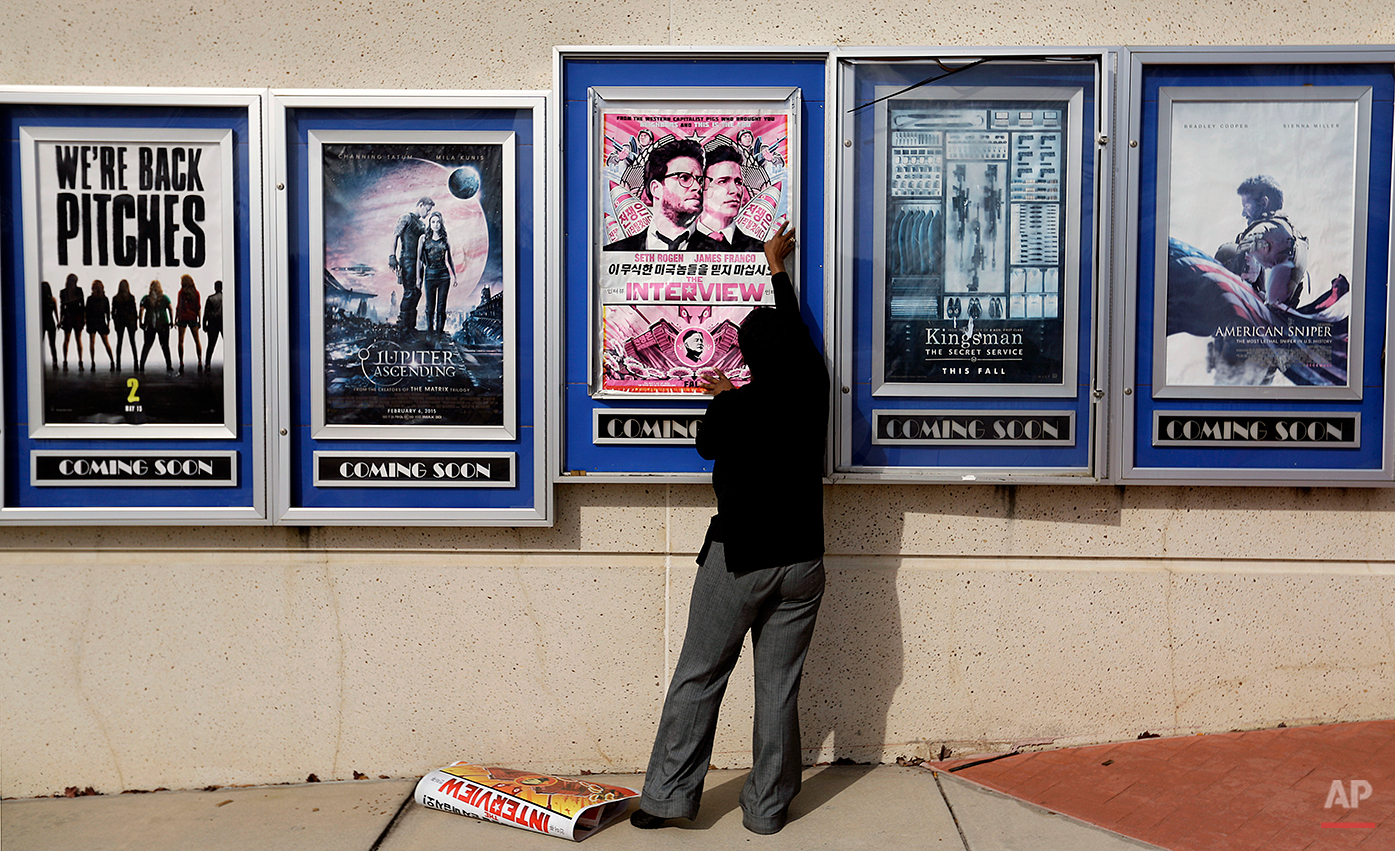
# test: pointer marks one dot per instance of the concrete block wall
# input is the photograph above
(956, 616)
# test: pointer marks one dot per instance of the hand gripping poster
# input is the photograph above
(412, 305)
(130, 288)
(555, 806)
(1259, 266)
(976, 252)
(684, 199)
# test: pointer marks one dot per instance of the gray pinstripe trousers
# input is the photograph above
(779, 606)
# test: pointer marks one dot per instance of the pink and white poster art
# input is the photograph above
(686, 202)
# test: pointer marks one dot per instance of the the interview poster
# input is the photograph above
(417, 289)
(975, 276)
(686, 200)
(1259, 250)
(130, 288)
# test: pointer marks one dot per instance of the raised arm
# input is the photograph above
(777, 248)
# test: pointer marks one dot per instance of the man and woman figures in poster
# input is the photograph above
(687, 202)
(418, 340)
(974, 253)
(1261, 224)
(131, 215)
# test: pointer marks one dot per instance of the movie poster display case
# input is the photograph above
(1254, 307)
(672, 166)
(408, 313)
(132, 267)
(970, 191)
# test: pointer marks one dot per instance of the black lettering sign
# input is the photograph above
(51, 468)
(414, 469)
(1236, 428)
(974, 428)
(638, 426)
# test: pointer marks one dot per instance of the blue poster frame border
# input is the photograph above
(296, 498)
(1136, 460)
(239, 111)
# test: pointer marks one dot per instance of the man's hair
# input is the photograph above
(721, 154)
(657, 165)
(1265, 187)
(425, 200)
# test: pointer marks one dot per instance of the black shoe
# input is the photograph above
(645, 821)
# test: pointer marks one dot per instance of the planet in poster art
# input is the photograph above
(464, 182)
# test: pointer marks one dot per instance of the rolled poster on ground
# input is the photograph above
(542, 803)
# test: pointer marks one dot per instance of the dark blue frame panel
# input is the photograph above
(1371, 407)
(578, 74)
(300, 121)
(866, 454)
(17, 442)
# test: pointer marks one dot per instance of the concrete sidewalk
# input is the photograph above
(841, 808)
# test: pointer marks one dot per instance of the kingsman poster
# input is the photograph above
(1259, 270)
(413, 247)
(129, 285)
(976, 244)
(685, 201)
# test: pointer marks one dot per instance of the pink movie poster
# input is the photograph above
(687, 201)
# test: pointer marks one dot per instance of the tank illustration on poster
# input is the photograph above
(415, 291)
(685, 201)
(130, 241)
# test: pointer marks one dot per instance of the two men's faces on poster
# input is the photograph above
(416, 296)
(686, 200)
(1260, 246)
(130, 281)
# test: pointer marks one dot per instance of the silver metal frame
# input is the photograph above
(1360, 97)
(1069, 309)
(29, 139)
(544, 460)
(842, 65)
(1122, 412)
(320, 430)
(557, 422)
(658, 100)
(255, 460)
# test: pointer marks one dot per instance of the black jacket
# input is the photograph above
(767, 439)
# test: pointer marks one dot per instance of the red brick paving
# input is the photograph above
(1262, 789)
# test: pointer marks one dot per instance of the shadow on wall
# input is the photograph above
(854, 667)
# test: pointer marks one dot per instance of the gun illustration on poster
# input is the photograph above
(685, 201)
(416, 305)
(129, 233)
(1260, 256)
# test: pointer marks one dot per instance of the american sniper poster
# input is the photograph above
(1260, 247)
